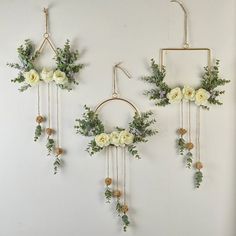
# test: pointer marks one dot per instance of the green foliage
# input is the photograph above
(133, 151)
(93, 148)
(108, 194)
(140, 127)
(27, 56)
(118, 207)
(50, 145)
(198, 178)
(189, 159)
(66, 61)
(57, 163)
(38, 132)
(181, 145)
(211, 80)
(161, 89)
(125, 220)
(90, 125)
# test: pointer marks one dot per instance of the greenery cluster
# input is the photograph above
(108, 194)
(198, 178)
(50, 145)
(183, 151)
(124, 217)
(189, 159)
(181, 145)
(57, 163)
(27, 56)
(161, 89)
(90, 125)
(38, 132)
(65, 60)
(210, 82)
(125, 220)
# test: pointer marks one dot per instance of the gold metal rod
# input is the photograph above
(42, 45)
(208, 50)
(100, 105)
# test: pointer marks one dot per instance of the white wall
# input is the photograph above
(163, 201)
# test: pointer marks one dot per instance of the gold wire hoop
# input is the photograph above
(115, 94)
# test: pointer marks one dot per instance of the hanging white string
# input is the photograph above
(124, 174)
(198, 135)
(49, 105)
(108, 161)
(38, 99)
(57, 111)
(117, 169)
(181, 115)
(189, 122)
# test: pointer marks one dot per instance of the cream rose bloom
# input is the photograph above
(126, 138)
(175, 95)
(46, 75)
(201, 96)
(102, 140)
(188, 93)
(60, 77)
(31, 77)
(115, 138)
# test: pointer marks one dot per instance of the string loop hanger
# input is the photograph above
(117, 66)
(186, 43)
(46, 36)
(115, 94)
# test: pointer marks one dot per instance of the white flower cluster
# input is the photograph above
(116, 138)
(32, 77)
(188, 93)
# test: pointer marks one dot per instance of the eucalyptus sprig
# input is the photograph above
(66, 61)
(38, 132)
(198, 178)
(181, 145)
(161, 89)
(125, 220)
(50, 145)
(27, 56)
(108, 194)
(90, 125)
(211, 81)
(57, 163)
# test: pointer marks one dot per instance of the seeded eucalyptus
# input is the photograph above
(38, 132)
(198, 178)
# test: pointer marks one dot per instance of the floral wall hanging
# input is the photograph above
(62, 76)
(206, 94)
(116, 144)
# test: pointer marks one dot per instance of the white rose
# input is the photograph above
(201, 97)
(115, 138)
(102, 140)
(60, 77)
(175, 95)
(126, 138)
(188, 93)
(46, 75)
(31, 77)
